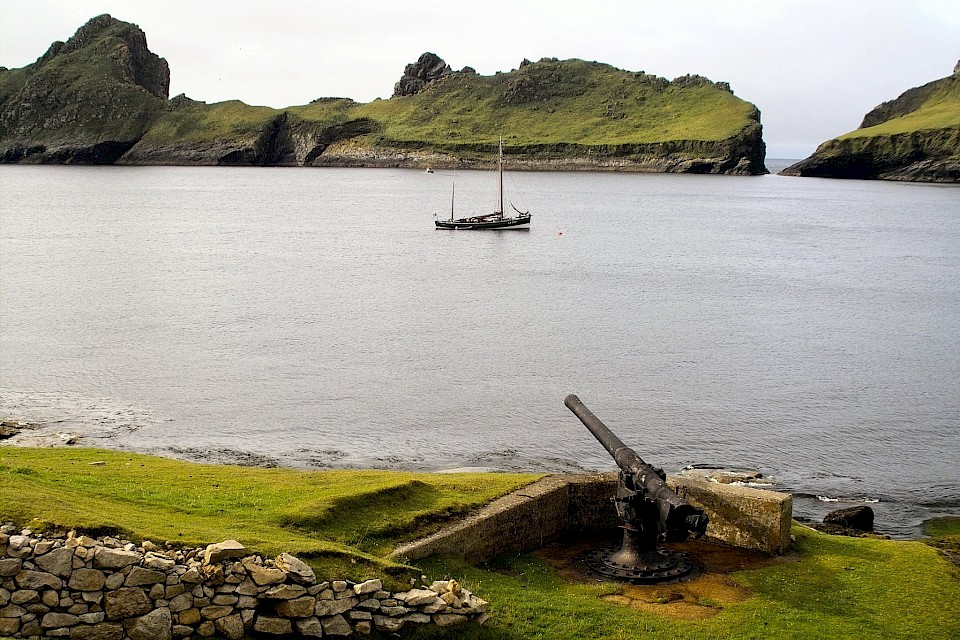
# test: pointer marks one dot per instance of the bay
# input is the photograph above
(314, 318)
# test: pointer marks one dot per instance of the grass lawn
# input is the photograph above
(345, 522)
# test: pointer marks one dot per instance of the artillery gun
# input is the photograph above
(649, 512)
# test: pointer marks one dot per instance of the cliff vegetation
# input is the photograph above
(102, 97)
(914, 137)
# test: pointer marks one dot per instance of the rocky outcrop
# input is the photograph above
(108, 589)
(85, 101)
(908, 139)
(921, 156)
(418, 75)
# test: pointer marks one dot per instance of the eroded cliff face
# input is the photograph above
(915, 137)
(87, 100)
(921, 156)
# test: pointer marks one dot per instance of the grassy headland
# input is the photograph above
(344, 522)
(914, 137)
(102, 97)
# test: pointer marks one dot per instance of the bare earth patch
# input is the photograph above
(702, 597)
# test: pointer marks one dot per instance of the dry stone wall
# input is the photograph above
(107, 589)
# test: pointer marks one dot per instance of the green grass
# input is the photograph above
(837, 588)
(570, 102)
(941, 110)
(201, 122)
(344, 522)
(334, 516)
(547, 103)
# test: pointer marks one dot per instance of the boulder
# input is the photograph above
(859, 518)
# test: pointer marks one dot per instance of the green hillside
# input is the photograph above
(914, 137)
(102, 97)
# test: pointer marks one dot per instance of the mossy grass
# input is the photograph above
(833, 587)
(570, 102)
(941, 110)
(343, 521)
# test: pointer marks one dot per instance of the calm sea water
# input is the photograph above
(315, 318)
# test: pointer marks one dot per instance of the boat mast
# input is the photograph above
(452, 197)
(500, 210)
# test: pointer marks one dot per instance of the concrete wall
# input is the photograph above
(524, 520)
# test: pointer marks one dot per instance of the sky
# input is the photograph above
(812, 67)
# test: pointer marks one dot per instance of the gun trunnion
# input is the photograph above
(649, 512)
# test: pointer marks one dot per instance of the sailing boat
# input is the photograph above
(495, 220)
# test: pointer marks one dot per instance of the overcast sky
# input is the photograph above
(813, 67)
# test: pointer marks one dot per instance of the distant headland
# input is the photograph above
(102, 97)
(915, 137)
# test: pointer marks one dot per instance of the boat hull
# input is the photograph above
(519, 223)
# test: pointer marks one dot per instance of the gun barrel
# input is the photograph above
(625, 457)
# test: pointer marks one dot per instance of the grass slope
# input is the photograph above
(569, 102)
(941, 110)
(344, 521)
(837, 588)
(338, 515)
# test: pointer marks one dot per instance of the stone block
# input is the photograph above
(106, 558)
(87, 580)
(59, 562)
(741, 517)
(223, 551)
(336, 626)
(230, 627)
(56, 620)
(139, 577)
(370, 586)
(156, 625)
(126, 603)
(309, 628)
(37, 580)
(296, 608)
(299, 570)
(272, 626)
(10, 567)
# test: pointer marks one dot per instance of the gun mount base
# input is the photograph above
(629, 562)
(667, 566)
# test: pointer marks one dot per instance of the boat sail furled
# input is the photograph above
(495, 220)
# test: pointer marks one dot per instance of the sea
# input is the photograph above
(806, 329)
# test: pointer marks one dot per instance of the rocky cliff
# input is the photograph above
(101, 97)
(87, 100)
(915, 137)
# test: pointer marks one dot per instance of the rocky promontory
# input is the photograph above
(102, 97)
(915, 137)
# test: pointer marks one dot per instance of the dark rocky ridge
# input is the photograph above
(51, 113)
(925, 155)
